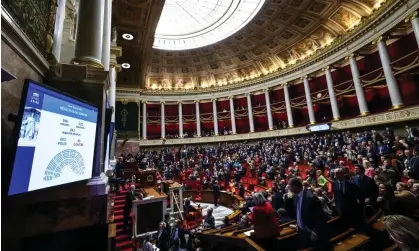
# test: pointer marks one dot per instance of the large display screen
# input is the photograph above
(56, 140)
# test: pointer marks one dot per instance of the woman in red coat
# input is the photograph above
(264, 222)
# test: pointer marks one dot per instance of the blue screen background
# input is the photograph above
(39, 97)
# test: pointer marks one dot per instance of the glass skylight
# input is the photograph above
(189, 24)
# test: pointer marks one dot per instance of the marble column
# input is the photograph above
(89, 35)
(268, 109)
(232, 115)
(58, 29)
(215, 115)
(107, 31)
(333, 101)
(309, 103)
(288, 106)
(144, 119)
(198, 119)
(180, 119)
(414, 20)
(139, 119)
(112, 100)
(250, 112)
(393, 87)
(360, 95)
(162, 120)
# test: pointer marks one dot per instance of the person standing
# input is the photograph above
(311, 219)
(177, 237)
(162, 239)
(130, 197)
(368, 190)
(346, 199)
(216, 192)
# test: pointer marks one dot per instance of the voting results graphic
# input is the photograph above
(56, 141)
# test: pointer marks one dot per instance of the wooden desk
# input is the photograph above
(351, 243)
(146, 177)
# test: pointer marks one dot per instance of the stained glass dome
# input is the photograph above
(189, 24)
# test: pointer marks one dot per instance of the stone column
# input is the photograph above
(414, 20)
(112, 96)
(198, 119)
(393, 87)
(232, 115)
(139, 119)
(268, 109)
(180, 119)
(144, 119)
(89, 35)
(362, 102)
(333, 101)
(309, 103)
(58, 29)
(107, 32)
(288, 106)
(162, 120)
(250, 112)
(215, 115)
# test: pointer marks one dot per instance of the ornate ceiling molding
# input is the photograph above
(382, 23)
(406, 114)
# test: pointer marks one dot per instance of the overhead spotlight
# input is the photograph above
(127, 36)
(125, 65)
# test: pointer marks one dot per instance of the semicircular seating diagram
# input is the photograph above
(65, 158)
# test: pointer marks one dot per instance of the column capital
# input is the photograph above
(285, 84)
(248, 94)
(116, 52)
(163, 102)
(144, 101)
(230, 97)
(139, 103)
(352, 55)
(305, 77)
(411, 17)
(380, 39)
(196, 101)
(213, 99)
(179, 102)
(328, 68)
(266, 90)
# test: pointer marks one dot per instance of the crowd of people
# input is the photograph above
(348, 174)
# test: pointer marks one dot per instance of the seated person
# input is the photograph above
(243, 223)
(209, 221)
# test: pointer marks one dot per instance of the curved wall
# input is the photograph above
(402, 56)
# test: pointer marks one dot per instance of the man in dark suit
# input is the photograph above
(311, 219)
(162, 238)
(346, 200)
(216, 192)
(367, 188)
(177, 237)
(130, 197)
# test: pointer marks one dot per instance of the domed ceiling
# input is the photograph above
(281, 34)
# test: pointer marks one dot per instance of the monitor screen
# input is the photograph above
(319, 128)
(56, 140)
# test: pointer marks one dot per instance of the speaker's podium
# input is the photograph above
(149, 212)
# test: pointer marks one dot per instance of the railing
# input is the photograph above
(394, 116)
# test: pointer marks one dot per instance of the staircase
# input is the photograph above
(123, 239)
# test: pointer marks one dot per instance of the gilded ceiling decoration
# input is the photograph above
(283, 34)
